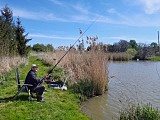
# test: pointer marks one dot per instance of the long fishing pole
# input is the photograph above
(72, 46)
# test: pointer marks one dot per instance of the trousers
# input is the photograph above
(39, 89)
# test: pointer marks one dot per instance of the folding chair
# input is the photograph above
(22, 87)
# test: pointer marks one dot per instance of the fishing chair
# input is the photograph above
(22, 87)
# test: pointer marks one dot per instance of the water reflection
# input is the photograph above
(129, 83)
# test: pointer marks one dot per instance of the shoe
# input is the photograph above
(41, 100)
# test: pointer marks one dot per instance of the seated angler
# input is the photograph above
(36, 84)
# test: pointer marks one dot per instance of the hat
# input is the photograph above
(34, 65)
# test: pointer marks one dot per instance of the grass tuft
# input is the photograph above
(145, 112)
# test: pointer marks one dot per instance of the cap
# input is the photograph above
(34, 65)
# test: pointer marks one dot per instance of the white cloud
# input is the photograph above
(36, 15)
(111, 10)
(137, 18)
(80, 9)
(79, 18)
(73, 7)
(85, 16)
(51, 37)
(150, 6)
(24, 14)
(57, 2)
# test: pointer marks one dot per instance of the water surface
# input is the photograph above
(129, 83)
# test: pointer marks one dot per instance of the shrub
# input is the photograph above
(155, 58)
(146, 112)
(84, 88)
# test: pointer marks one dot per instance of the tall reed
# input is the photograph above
(119, 56)
(81, 66)
(9, 62)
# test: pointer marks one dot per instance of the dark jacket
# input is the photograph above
(32, 79)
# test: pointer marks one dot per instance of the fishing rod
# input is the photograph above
(82, 33)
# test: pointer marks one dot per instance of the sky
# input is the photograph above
(58, 22)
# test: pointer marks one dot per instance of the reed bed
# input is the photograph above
(81, 66)
(119, 56)
(49, 57)
(7, 63)
(91, 66)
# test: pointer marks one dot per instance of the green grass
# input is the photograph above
(155, 58)
(143, 112)
(84, 89)
(59, 105)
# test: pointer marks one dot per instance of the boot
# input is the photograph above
(39, 98)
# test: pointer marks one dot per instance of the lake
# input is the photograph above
(129, 83)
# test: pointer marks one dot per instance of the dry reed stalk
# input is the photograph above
(91, 65)
(119, 56)
(98, 71)
(50, 57)
(9, 62)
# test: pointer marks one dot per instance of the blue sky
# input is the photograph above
(57, 22)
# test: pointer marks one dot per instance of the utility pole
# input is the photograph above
(158, 41)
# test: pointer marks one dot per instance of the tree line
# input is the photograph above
(136, 50)
(13, 41)
(140, 51)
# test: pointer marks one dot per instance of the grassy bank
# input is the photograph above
(59, 105)
(155, 58)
